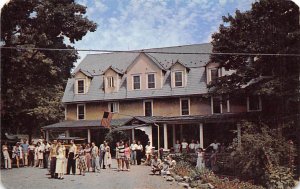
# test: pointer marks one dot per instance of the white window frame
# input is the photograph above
(148, 80)
(212, 105)
(77, 86)
(133, 82)
(116, 105)
(259, 104)
(209, 73)
(78, 111)
(110, 82)
(182, 77)
(144, 107)
(66, 113)
(189, 103)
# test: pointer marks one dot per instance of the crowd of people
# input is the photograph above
(61, 159)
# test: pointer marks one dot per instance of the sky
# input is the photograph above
(141, 24)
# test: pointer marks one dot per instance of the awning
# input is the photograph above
(129, 127)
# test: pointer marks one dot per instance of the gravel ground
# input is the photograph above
(138, 178)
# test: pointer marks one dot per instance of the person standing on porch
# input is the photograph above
(184, 146)
(53, 149)
(139, 152)
(192, 147)
(71, 160)
(102, 154)
(133, 147)
(197, 146)
(215, 145)
(177, 147)
(7, 160)
(95, 158)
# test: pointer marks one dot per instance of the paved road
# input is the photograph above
(35, 178)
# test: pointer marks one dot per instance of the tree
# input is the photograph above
(33, 80)
(270, 27)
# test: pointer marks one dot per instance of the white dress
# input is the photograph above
(200, 161)
(107, 156)
(60, 161)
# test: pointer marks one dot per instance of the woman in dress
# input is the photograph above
(200, 159)
(60, 160)
(81, 165)
(36, 151)
(127, 156)
(7, 160)
(40, 155)
(107, 156)
(88, 157)
(177, 147)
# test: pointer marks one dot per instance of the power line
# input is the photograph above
(154, 52)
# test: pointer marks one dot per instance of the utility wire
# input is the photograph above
(154, 52)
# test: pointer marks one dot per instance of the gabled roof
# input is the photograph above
(85, 72)
(178, 62)
(115, 70)
(148, 56)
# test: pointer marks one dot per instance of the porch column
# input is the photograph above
(67, 133)
(165, 136)
(239, 135)
(174, 135)
(89, 136)
(181, 136)
(132, 134)
(201, 135)
(47, 135)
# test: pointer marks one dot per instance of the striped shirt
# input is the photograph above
(121, 150)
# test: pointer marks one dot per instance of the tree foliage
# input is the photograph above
(33, 80)
(270, 27)
(262, 153)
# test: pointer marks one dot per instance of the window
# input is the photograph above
(148, 108)
(254, 103)
(216, 105)
(110, 81)
(213, 74)
(113, 107)
(151, 81)
(185, 106)
(136, 82)
(80, 86)
(80, 111)
(178, 79)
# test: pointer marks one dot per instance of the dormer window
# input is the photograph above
(136, 82)
(80, 86)
(110, 81)
(213, 74)
(178, 78)
(151, 81)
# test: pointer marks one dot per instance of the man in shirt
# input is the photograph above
(148, 150)
(95, 158)
(71, 159)
(133, 147)
(139, 152)
(192, 147)
(156, 165)
(102, 154)
(184, 146)
(25, 146)
(46, 154)
(53, 158)
(215, 146)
